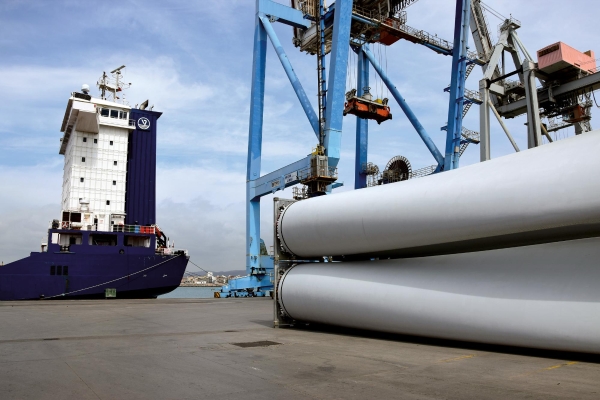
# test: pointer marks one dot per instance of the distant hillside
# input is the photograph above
(232, 272)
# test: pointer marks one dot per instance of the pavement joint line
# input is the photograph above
(378, 360)
(553, 367)
(561, 365)
(115, 302)
(84, 382)
(75, 356)
(457, 358)
(129, 336)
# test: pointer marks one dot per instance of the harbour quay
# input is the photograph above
(227, 349)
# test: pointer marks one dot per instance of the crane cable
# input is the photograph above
(387, 90)
(377, 51)
(493, 12)
(404, 4)
(190, 261)
(380, 88)
(351, 71)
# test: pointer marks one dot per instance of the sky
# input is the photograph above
(193, 61)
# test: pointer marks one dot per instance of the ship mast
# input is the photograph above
(110, 86)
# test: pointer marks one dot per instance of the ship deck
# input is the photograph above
(226, 348)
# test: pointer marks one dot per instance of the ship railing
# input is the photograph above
(167, 251)
(133, 229)
(377, 16)
(66, 225)
(320, 171)
(509, 23)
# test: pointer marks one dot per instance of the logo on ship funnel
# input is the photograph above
(143, 123)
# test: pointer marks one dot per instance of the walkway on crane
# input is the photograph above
(378, 25)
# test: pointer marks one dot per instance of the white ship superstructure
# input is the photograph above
(94, 144)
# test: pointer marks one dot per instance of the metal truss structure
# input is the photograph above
(345, 26)
(561, 94)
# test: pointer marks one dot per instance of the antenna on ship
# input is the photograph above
(102, 83)
(111, 86)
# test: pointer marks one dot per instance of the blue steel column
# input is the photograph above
(404, 106)
(255, 144)
(289, 70)
(338, 66)
(322, 71)
(457, 84)
(362, 125)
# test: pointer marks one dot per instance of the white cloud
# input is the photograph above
(214, 184)
(29, 200)
(213, 234)
(22, 229)
(159, 79)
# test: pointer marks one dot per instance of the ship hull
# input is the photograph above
(89, 275)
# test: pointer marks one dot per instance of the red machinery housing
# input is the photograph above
(365, 107)
(559, 57)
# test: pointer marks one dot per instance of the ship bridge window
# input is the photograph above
(68, 239)
(103, 240)
(109, 112)
(137, 241)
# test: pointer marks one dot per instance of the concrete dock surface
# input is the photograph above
(226, 348)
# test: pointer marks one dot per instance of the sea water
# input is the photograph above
(191, 293)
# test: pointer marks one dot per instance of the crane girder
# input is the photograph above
(401, 4)
(583, 85)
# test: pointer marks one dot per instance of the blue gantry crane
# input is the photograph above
(344, 26)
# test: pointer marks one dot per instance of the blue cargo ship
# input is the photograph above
(106, 242)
